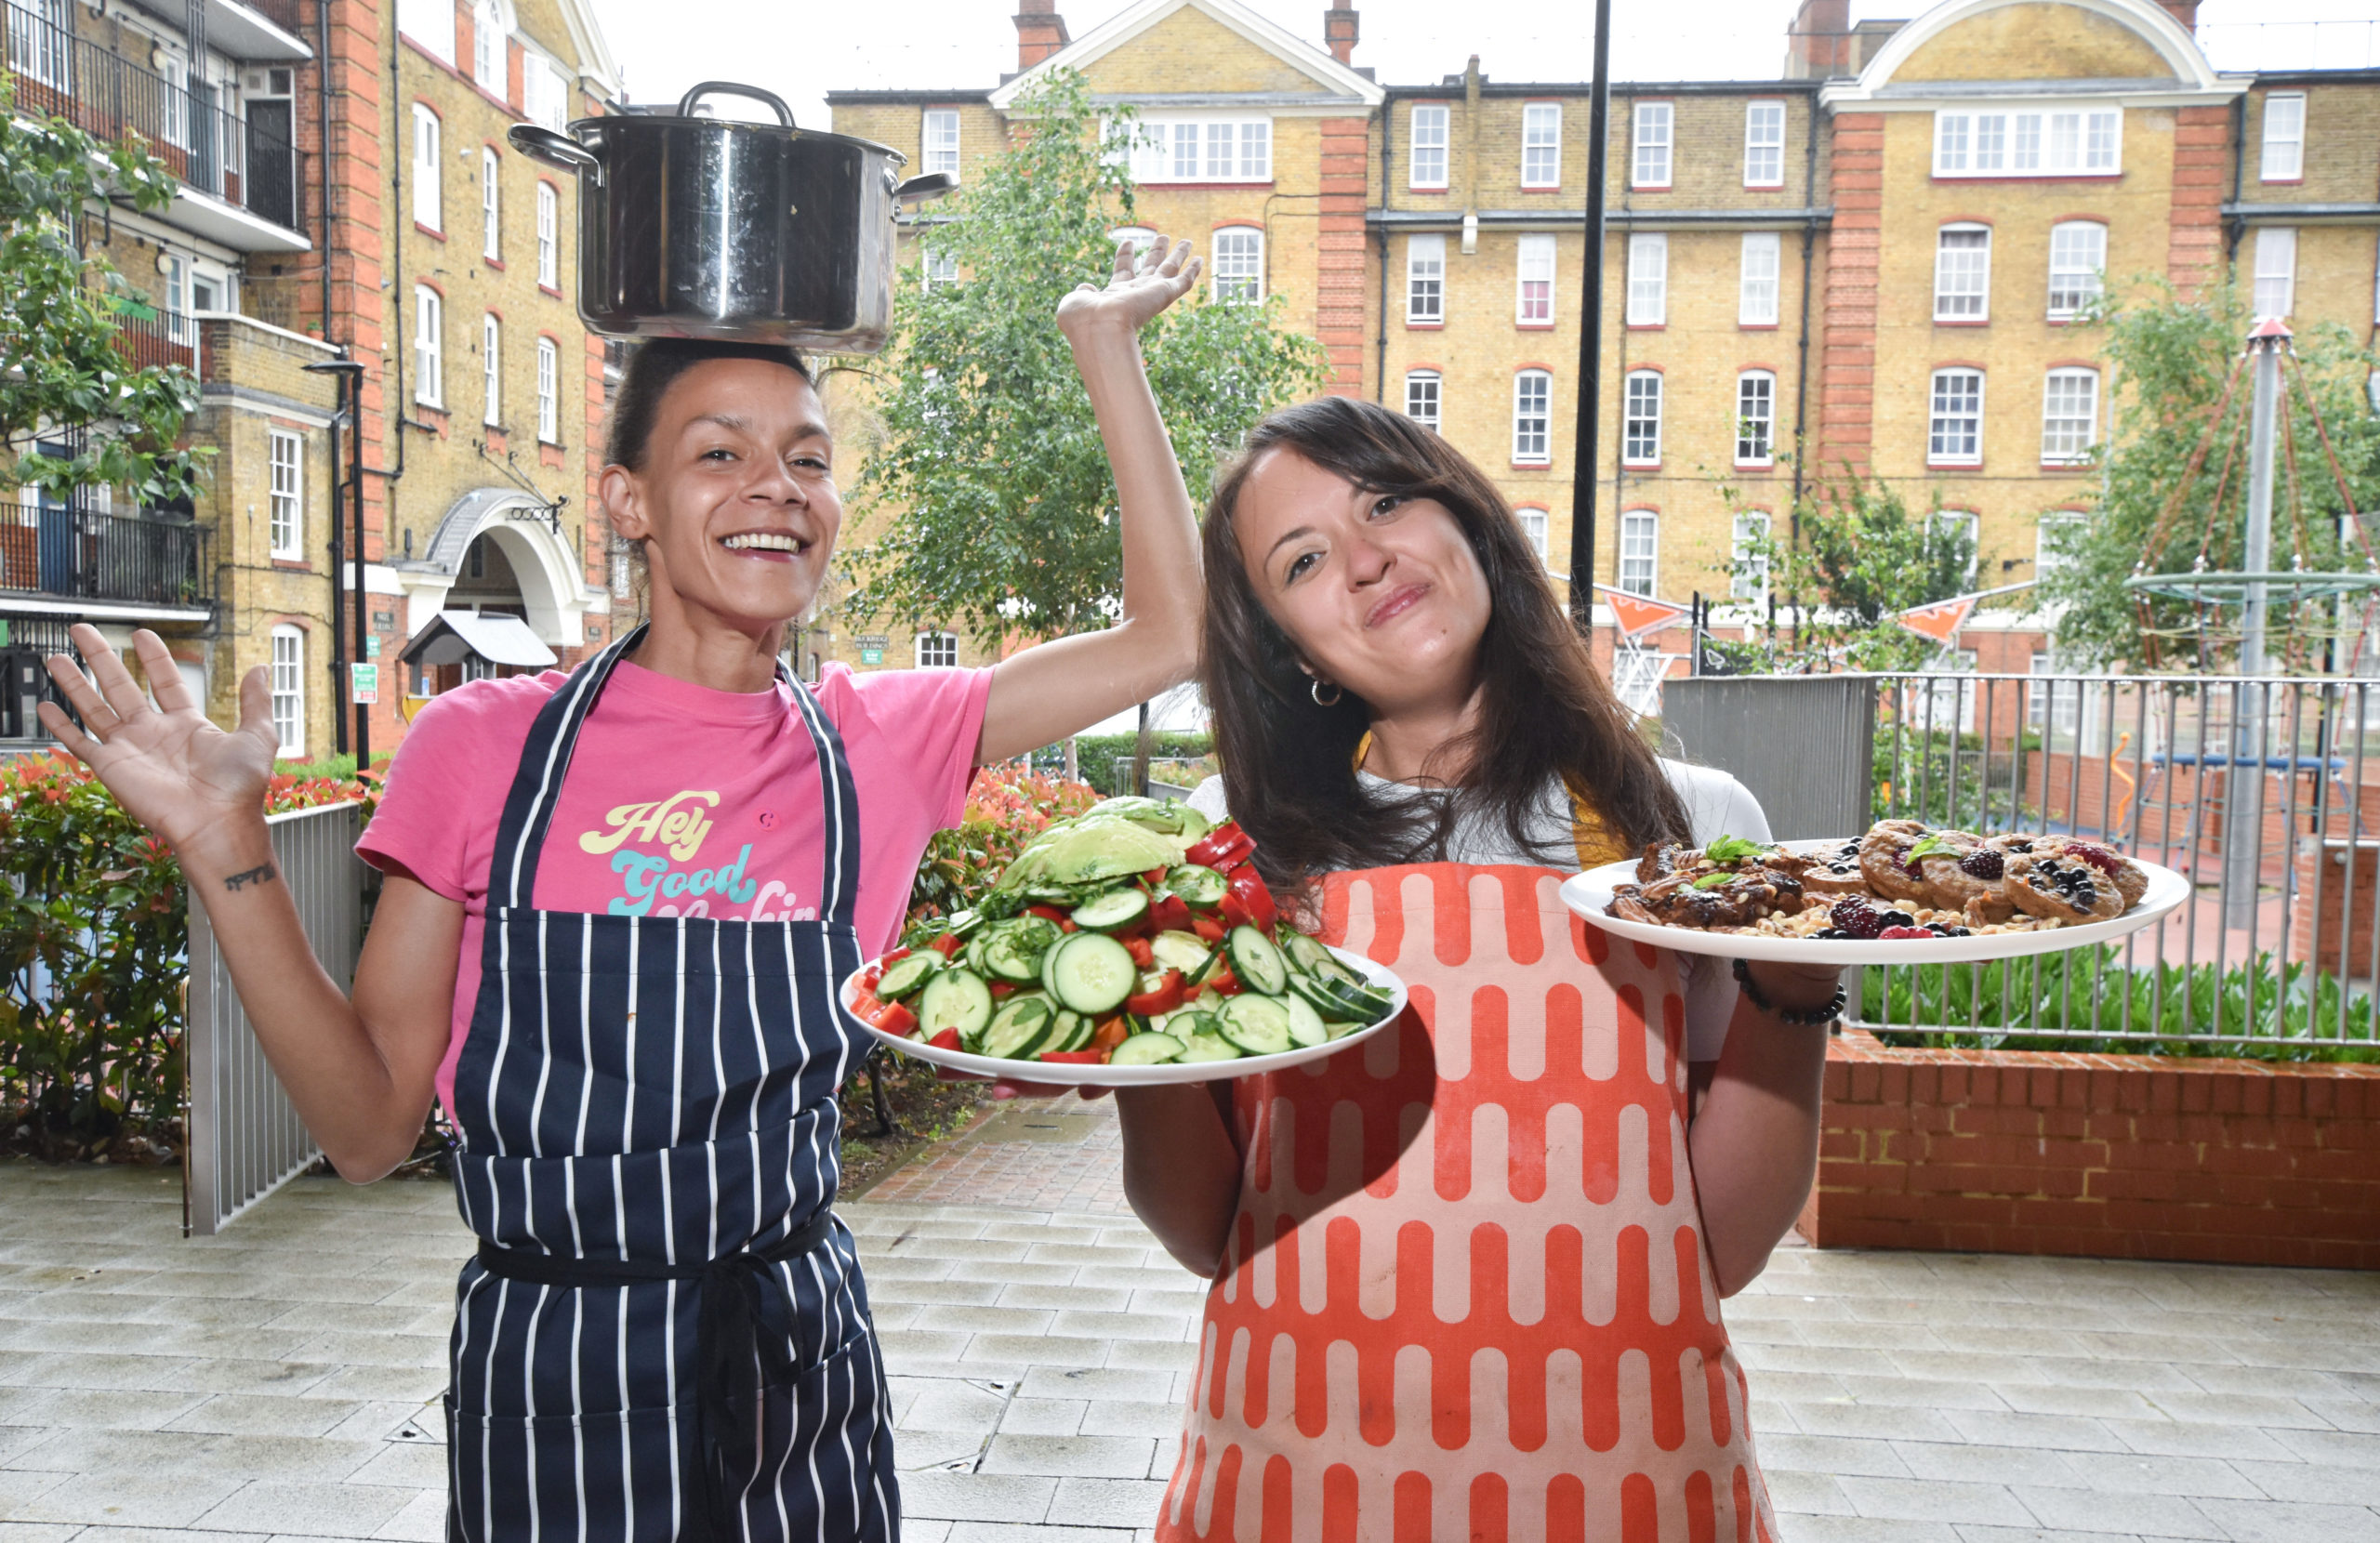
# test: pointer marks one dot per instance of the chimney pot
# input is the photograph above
(1341, 26)
(2183, 11)
(1040, 32)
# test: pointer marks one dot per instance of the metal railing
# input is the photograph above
(245, 1138)
(2264, 794)
(85, 555)
(216, 152)
(167, 337)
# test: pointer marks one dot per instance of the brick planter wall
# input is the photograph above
(2117, 1156)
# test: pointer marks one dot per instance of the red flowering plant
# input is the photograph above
(1006, 806)
(94, 958)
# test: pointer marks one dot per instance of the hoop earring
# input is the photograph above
(1315, 690)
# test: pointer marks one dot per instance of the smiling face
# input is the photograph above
(736, 501)
(1379, 594)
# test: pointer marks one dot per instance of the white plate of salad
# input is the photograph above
(1130, 945)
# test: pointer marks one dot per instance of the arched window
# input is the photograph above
(429, 204)
(1532, 522)
(2078, 260)
(492, 368)
(1962, 273)
(2069, 415)
(1954, 418)
(1421, 395)
(549, 392)
(1239, 265)
(1640, 550)
(1640, 424)
(1532, 417)
(429, 347)
(288, 681)
(937, 651)
(549, 234)
(1748, 567)
(1536, 307)
(1756, 418)
(491, 214)
(488, 49)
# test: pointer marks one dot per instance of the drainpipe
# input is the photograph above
(1586, 437)
(2236, 225)
(1387, 159)
(323, 154)
(1802, 366)
(1471, 154)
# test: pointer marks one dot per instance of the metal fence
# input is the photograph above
(244, 1138)
(2263, 793)
(54, 549)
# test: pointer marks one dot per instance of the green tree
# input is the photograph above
(1854, 556)
(2168, 360)
(1002, 508)
(67, 366)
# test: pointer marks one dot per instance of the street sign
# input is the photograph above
(364, 683)
(370, 645)
(871, 649)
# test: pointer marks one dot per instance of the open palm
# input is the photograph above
(168, 765)
(1141, 284)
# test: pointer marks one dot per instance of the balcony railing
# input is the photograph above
(81, 554)
(246, 163)
(167, 337)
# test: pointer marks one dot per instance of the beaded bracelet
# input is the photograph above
(1808, 1018)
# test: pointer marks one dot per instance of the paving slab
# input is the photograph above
(257, 1387)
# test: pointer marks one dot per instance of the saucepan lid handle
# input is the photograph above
(555, 150)
(775, 102)
(918, 189)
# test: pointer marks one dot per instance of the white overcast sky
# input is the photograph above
(802, 49)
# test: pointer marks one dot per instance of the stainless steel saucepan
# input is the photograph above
(699, 227)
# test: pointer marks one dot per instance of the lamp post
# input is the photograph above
(351, 412)
(1584, 438)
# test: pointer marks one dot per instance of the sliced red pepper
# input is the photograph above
(1001, 988)
(947, 945)
(1139, 949)
(864, 1007)
(1169, 913)
(1165, 998)
(1221, 980)
(1153, 878)
(1208, 927)
(946, 1040)
(895, 957)
(1216, 842)
(894, 1018)
(1075, 1058)
(1248, 887)
(870, 976)
(1235, 912)
(1047, 913)
(1111, 1033)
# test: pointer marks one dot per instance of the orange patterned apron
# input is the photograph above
(1465, 1294)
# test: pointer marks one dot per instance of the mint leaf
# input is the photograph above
(1929, 846)
(1732, 849)
(1712, 881)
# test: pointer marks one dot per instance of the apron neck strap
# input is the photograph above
(553, 739)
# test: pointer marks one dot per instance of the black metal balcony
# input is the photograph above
(167, 337)
(81, 554)
(245, 161)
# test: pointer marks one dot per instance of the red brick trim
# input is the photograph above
(2111, 1156)
(1954, 364)
(1641, 367)
(2056, 220)
(1742, 370)
(430, 231)
(2090, 364)
(1343, 255)
(2194, 234)
(1529, 365)
(1420, 368)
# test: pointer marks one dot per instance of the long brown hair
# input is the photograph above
(1547, 718)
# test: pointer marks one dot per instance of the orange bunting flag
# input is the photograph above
(1636, 615)
(1941, 621)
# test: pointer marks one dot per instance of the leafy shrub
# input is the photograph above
(94, 954)
(1006, 806)
(1097, 756)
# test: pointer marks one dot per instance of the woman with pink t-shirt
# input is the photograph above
(616, 909)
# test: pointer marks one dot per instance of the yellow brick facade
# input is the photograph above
(1857, 209)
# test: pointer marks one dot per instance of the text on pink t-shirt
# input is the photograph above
(681, 800)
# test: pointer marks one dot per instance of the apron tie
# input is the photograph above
(745, 1336)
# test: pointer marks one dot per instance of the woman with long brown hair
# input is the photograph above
(1466, 1276)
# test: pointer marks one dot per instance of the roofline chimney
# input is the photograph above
(1341, 27)
(1040, 32)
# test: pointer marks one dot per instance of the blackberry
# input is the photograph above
(1984, 864)
(1856, 917)
(1898, 918)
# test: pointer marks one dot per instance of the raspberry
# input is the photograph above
(2098, 857)
(1856, 916)
(1984, 864)
(1891, 932)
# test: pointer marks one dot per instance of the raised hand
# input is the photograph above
(168, 765)
(1141, 285)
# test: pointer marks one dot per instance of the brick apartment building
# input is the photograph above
(1874, 258)
(409, 239)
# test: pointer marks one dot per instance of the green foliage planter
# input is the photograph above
(94, 958)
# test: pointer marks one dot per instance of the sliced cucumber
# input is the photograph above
(1259, 1026)
(1018, 1030)
(1009, 955)
(1092, 973)
(1207, 1047)
(1183, 951)
(1306, 1027)
(1307, 954)
(955, 999)
(907, 977)
(1258, 963)
(964, 922)
(1333, 1007)
(1369, 1006)
(1193, 1020)
(1198, 885)
(1146, 1050)
(1113, 911)
(1065, 1028)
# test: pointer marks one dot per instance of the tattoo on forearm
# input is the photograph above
(261, 874)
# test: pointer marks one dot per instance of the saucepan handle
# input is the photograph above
(921, 190)
(554, 149)
(775, 102)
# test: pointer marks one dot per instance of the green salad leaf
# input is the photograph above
(1930, 846)
(1732, 849)
(1712, 881)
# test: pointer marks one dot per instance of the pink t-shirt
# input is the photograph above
(681, 800)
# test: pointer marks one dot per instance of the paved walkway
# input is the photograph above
(279, 1381)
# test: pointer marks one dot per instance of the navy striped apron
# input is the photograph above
(665, 1334)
